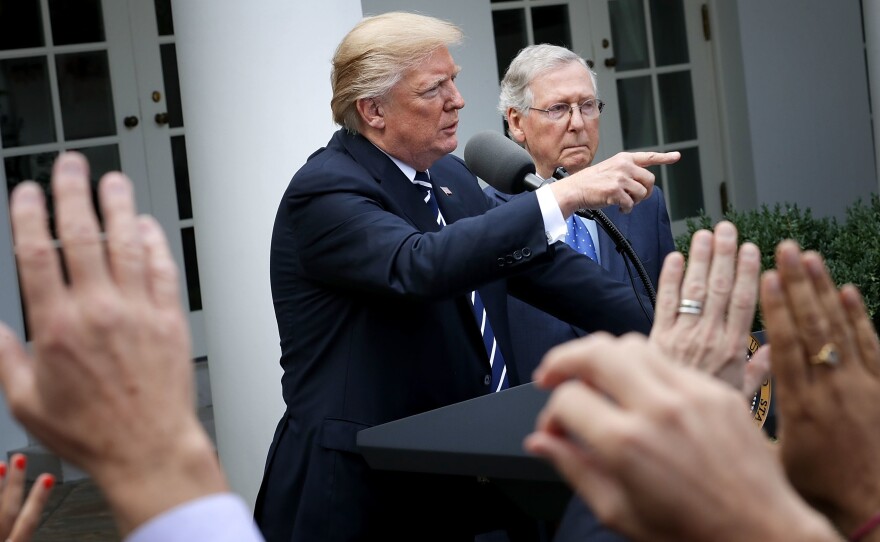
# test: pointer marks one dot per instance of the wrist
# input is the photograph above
(145, 486)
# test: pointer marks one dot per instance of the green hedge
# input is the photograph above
(851, 248)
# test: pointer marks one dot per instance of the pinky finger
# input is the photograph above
(865, 334)
(161, 269)
(29, 518)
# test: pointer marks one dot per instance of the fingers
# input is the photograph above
(699, 260)
(124, 248)
(161, 269)
(588, 479)
(757, 370)
(29, 518)
(719, 283)
(813, 329)
(77, 224)
(42, 284)
(832, 311)
(645, 159)
(13, 490)
(863, 328)
(615, 367)
(744, 297)
(787, 355)
(668, 287)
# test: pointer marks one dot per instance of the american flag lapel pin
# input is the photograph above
(446, 191)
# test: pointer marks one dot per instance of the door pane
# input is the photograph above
(685, 185)
(76, 21)
(550, 25)
(637, 121)
(510, 36)
(21, 24)
(172, 85)
(181, 177)
(628, 34)
(677, 107)
(163, 17)
(669, 32)
(191, 267)
(25, 102)
(86, 96)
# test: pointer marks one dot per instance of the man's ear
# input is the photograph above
(371, 112)
(515, 120)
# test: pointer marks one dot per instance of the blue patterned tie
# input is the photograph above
(579, 238)
(496, 360)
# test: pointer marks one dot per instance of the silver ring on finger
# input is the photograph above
(689, 306)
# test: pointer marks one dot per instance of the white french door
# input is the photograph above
(99, 77)
(655, 72)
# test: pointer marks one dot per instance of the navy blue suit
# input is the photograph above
(370, 301)
(648, 231)
(534, 332)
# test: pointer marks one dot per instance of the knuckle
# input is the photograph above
(38, 253)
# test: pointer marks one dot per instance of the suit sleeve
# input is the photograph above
(350, 234)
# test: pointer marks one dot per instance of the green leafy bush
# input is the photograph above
(851, 249)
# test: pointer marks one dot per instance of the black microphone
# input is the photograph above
(500, 162)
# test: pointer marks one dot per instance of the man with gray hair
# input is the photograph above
(390, 271)
(550, 101)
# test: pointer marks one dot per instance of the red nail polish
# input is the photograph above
(48, 481)
(20, 462)
(2, 470)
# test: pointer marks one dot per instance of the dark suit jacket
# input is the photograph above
(370, 302)
(647, 228)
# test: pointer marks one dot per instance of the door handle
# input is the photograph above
(161, 118)
(130, 121)
(611, 62)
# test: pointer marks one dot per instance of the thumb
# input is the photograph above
(16, 371)
(757, 369)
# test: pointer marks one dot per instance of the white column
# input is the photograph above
(871, 16)
(254, 79)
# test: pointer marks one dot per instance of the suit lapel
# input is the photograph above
(392, 180)
(611, 259)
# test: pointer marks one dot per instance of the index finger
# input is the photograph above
(616, 367)
(651, 158)
(39, 272)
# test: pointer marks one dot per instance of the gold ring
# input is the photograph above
(828, 355)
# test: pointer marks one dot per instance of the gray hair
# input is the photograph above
(528, 64)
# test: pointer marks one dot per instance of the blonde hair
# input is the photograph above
(376, 53)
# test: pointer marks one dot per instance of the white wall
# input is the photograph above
(255, 84)
(478, 81)
(739, 170)
(807, 102)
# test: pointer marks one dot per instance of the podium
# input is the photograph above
(481, 437)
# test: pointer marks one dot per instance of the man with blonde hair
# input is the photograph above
(390, 276)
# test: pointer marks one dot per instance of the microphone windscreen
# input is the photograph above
(499, 161)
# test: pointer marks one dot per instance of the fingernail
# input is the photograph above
(814, 267)
(20, 462)
(71, 164)
(2, 470)
(48, 481)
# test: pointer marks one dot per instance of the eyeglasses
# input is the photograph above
(590, 109)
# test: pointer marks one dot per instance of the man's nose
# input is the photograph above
(576, 119)
(455, 99)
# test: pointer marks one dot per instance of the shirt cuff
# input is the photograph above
(554, 222)
(222, 517)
